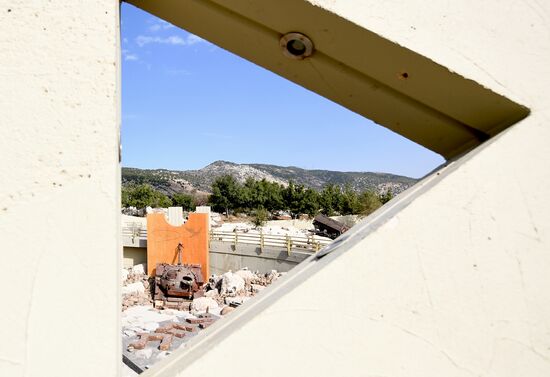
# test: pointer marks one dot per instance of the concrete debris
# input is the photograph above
(135, 287)
(256, 288)
(203, 304)
(149, 334)
(232, 284)
(139, 269)
(125, 274)
(212, 294)
(226, 310)
(162, 355)
(144, 353)
(247, 275)
(150, 326)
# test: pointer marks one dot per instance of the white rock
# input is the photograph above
(202, 303)
(212, 293)
(231, 284)
(151, 326)
(246, 274)
(124, 274)
(145, 353)
(139, 269)
(257, 288)
(161, 355)
(129, 333)
(134, 288)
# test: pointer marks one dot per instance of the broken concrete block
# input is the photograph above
(201, 304)
(134, 288)
(231, 284)
(226, 310)
(212, 294)
(145, 353)
(247, 275)
(150, 326)
(124, 274)
(139, 269)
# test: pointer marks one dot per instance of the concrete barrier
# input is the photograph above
(225, 256)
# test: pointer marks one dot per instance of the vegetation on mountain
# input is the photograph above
(187, 202)
(199, 182)
(143, 195)
(257, 189)
(257, 197)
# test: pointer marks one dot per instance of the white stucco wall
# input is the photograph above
(450, 279)
(59, 190)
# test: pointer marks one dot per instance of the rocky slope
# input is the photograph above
(172, 181)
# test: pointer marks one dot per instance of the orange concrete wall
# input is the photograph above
(163, 240)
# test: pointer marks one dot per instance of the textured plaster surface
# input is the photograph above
(59, 193)
(452, 277)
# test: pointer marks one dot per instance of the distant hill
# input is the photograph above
(172, 181)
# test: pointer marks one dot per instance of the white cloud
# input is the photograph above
(143, 40)
(159, 25)
(155, 27)
(127, 55)
(192, 39)
(131, 57)
(174, 40)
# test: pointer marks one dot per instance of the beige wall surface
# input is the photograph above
(452, 277)
(59, 191)
(449, 279)
(133, 255)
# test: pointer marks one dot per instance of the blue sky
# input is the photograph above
(187, 103)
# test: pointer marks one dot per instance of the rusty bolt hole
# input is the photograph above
(296, 45)
(404, 76)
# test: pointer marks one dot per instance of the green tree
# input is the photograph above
(187, 202)
(292, 196)
(259, 216)
(143, 195)
(369, 202)
(386, 196)
(329, 199)
(309, 202)
(273, 195)
(227, 194)
(349, 202)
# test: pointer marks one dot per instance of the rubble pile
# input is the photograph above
(235, 288)
(150, 334)
(136, 287)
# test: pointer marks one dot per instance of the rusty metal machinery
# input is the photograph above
(176, 285)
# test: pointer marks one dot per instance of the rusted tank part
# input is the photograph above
(144, 338)
(177, 282)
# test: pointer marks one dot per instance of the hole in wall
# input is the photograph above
(193, 113)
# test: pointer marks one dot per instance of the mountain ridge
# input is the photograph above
(171, 181)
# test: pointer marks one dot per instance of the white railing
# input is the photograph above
(288, 242)
(133, 234)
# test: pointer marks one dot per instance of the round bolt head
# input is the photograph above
(296, 45)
